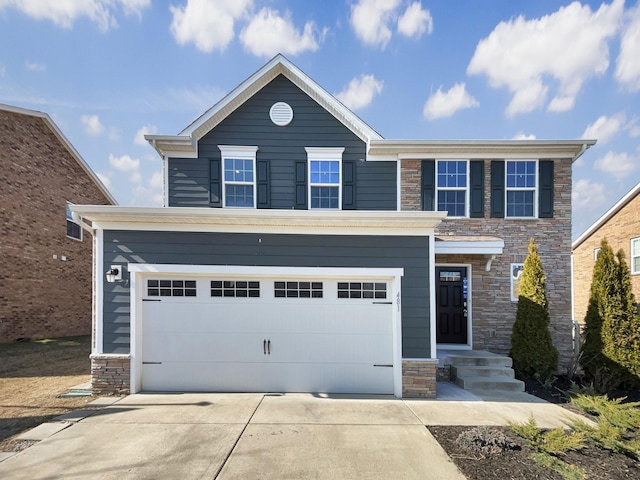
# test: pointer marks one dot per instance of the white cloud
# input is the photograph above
(619, 165)
(149, 193)
(124, 163)
(360, 92)
(628, 62)
(156, 180)
(208, 25)
(524, 136)
(92, 125)
(65, 13)
(605, 128)
(35, 66)
(144, 130)
(268, 33)
(371, 18)
(3, 70)
(415, 21)
(588, 194)
(105, 179)
(445, 104)
(518, 54)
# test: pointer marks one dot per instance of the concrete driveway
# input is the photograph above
(258, 436)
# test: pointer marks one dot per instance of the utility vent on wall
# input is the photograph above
(281, 114)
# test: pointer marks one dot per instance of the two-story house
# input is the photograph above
(299, 251)
(45, 261)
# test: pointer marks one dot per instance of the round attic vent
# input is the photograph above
(281, 114)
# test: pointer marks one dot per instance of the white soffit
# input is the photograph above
(468, 245)
(317, 222)
(477, 149)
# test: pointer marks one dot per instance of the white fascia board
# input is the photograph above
(174, 146)
(607, 216)
(311, 222)
(469, 248)
(477, 149)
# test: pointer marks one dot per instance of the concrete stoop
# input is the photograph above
(480, 370)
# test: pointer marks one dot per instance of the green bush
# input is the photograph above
(611, 348)
(532, 349)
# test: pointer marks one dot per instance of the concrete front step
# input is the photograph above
(490, 360)
(481, 371)
(473, 382)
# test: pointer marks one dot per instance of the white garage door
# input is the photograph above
(266, 335)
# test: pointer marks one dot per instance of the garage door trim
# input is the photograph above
(141, 272)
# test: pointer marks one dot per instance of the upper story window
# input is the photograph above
(521, 188)
(73, 229)
(452, 183)
(635, 256)
(325, 177)
(238, 174)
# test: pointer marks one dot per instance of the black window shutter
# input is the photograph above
(545, 189)
(264, 199)
(428, 185)
(215, 196)
(349, 185)
(497, 189)
(476, 183)
(301, 185)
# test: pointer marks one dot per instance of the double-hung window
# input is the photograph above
(635, 256)
(521, 191)
(452, 182)
(325, 177)
(238, 173)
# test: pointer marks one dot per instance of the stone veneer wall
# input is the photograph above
(419, 378)
(492, 310)
(110, 374)
(618, 230)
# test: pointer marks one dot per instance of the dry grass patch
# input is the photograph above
(32, 374)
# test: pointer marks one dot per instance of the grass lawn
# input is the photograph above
(32, 374)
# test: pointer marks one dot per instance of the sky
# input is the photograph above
(110, 71)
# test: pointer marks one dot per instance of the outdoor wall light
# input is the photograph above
(114, 274)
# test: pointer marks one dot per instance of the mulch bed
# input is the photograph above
(517, 463)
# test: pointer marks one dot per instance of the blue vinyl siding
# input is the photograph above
(374, 183)
(410, 253)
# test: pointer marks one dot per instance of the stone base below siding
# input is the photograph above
(110, 374)
(419, 378)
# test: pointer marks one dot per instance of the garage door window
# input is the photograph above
(171, 288)
(362, 290)
(298, 289)
(231, 288)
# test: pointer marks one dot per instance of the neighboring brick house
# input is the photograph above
(300, 251)
(621, 227)
(45, 260)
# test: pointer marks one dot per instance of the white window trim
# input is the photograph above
(633, 271)
(328, 154)
(241, 153)
(527, 189)
(454, 189)
(596, 252)
(70, 219)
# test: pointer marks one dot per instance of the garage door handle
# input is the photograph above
(268, 347)
(264, 347)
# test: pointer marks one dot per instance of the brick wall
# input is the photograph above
(492, 310)
(618, 230)
(41, 295)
